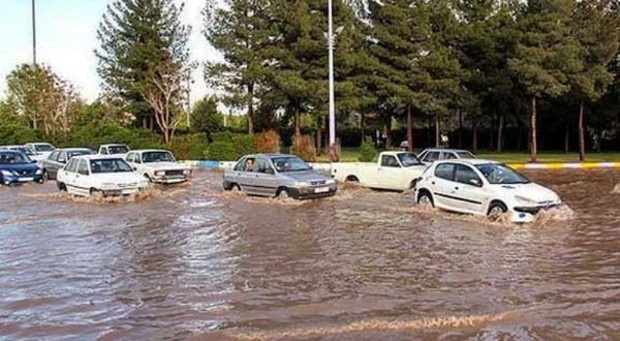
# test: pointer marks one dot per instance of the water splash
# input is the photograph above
(616, 189)
(377, 325)
(558, 214)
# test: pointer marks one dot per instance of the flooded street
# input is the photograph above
(192, 262)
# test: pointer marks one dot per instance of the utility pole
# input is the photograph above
(34, 34)
(189, 102)
(332, 108)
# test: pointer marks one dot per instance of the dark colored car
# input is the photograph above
(17, 167)
(58, 158)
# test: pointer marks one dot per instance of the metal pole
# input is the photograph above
(189, 102)
(34, 35)
(332, 109)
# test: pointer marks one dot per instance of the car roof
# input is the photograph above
(113, 144)
(472, 162)
(73, 149)
(96, 157)
(446, 150)
(35, 143)
(270, 155)
(148, 150)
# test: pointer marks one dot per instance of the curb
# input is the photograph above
(325, 166)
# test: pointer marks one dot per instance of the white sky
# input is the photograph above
(67, 37)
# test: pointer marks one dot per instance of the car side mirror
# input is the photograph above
(475, 182)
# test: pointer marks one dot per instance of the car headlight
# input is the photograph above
(160, 173)
(301, 184)
(143, 183)
(330, 182)
(108, 185)
(524, 200)
(187, 172)
(39, 171)
(7, 173)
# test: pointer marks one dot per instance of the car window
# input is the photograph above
(263, 166)
(389, 161)
(431, 156)
(290, 164)
(466, 175)
(43, 147)
(103, 151)
(449, 156)
(11, 157)
(137, 158)
(110, 166)
(72, 166)
(129, 157)
(54, 156)
(61, 157)
(118, 149)
(83, 167)
(240, 166)
(409, 159)
(157, 156)
(466, 155)
(445, 171)
(248, 165)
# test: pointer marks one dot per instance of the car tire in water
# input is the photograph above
(283, 194)
(352, 178)
(496, 208)
(61, 186)
(425, 199)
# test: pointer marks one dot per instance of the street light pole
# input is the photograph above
(34, 35)
(332, 108)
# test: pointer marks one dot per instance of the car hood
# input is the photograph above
(128, 177)
(306, 176)
(19, 167)
(165, 165)
(532, 191)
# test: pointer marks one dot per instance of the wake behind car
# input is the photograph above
(158, 166)
(483, 187)
(17, 167)
(57, 160)
(86, 175)
(280, 175)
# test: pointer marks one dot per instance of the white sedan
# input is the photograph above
(90, 174)
(483, 187)
(158, 166)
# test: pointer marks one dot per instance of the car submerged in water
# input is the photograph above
(88, 175)
(278, 175)
(483, 187)
(158, 166)
(16, 168)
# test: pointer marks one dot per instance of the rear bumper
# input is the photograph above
(306, 193)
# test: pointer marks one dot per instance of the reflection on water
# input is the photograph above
(193, 261)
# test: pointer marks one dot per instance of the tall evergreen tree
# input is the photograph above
(545, 54)
(143, 59)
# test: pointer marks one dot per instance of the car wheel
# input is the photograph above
(496, 209)
(283, 194)
(352, 178)
(61, 186)
(425, 199)
(96, 194)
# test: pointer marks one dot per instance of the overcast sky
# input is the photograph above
(67, 37)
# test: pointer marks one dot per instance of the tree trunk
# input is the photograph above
(409, 129)
(362, 127)
(474, 135)
(297, 123)
(251, 109)
(319, 133)
(460, 128)
(533, 144)
(492, 133)
(500, 133)
(567, 135)
(437, 132)
(582, 142)
(388, 132)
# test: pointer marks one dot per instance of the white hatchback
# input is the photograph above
(483, 187)
(158, 166)
(109, 175)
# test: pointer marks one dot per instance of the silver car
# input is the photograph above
(278, 175)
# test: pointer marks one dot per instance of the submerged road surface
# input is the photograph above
(192, 262)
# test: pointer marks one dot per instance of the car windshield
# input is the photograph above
(118, 149)
(73, 153)
(24, 150)
(498, 174)
(409, 159)
(289, 164)
(466, 155)
(109, 166)
(13, 158)
(149, 157)
(43, 147)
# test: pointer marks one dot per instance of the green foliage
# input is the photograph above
(189, 147)
(222, 151)
(206, 117)
(243, 144)
(368, 151)
(227, 146)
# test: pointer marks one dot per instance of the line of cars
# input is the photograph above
(453, 180)
(115, 170)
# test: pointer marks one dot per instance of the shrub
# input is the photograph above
(243, 144)
(267, 142)
(368, 152)
(303, 146)
(189, 147)
(221, 151)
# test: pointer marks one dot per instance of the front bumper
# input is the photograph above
(527, 214)
(120, 192)
(15, 179)
(314, 192)
(170, 180)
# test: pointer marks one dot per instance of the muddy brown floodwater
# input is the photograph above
(192, 262)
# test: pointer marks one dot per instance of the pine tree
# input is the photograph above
(143, 59)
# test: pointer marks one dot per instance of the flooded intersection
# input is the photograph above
(195, 262)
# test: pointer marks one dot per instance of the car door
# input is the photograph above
(246, 178)
(68, 175)
(443, 185)
(265, 180)
(469, 191)
(389, 173)
(82, 178)
(54, 163)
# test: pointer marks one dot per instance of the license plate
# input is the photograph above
(26, 179)
(321, 190)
